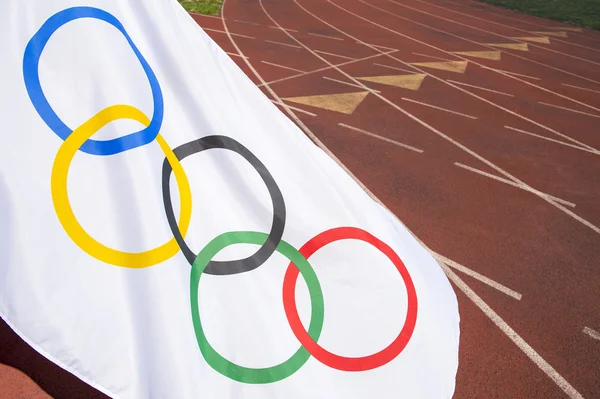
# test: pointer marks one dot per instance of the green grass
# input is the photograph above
(207, 7)
(584, 13)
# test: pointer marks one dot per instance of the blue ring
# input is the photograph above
(31, 60)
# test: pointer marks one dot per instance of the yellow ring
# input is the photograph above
(67, 218)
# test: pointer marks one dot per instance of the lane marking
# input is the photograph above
(512, 334)
(411, 82)
(234, 54)
(487, 55)
(450, 66)
(511, 183)
(439, 108)
(474, 42)
(591, 333)
(480, 88)
(348, 83)
(534, 39)
(203, 15)
(581, 88)
(477, 276)
(462, 89)
(334, 55)
(330, 66)
(569, 109)
(399, 144)
(510, 73)
(346, 103)
(510, 46)
(414, 118)
(555, 34)
(382, 47)
(431, 56)
(232, 34)
(282, 66)
(282, 44)
(553, 140)
(325, 36)
(398, 69)
(246, 22)
(284, 29)
(294, 108)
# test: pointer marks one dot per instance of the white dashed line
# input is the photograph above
(399, 144)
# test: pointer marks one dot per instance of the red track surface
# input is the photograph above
(501, 219)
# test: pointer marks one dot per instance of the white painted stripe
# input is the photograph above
(399, 144)
(280, 28)
(480, 88)
(511, 183)
(569, 109)
(294, 108)
(591, 333)
(398, 69)
(282, 44)
(237, 55)
(334, 55)
(510, 73)
(246, 22)
(331, 66)
(348, 84)
(431, 56)
(282, 66)
(203, 15)
(512, 334)
(325, 36)
(232, 34)
(581, 88)
(555, 141)
(477, 276)
(382, 47)
(440, 108)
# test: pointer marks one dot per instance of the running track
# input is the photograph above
(493, 164)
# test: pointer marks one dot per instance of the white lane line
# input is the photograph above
(441, 109)
(510, 73)
(237, 55)
(348, 83)
(282, 44)
(480, 88)
(203, 15)
(399, 144)
(294, 108)
(581, 88)
(553, 140)
(569, 109)
(246, 22)
(331, 66)
(334, 55)
(280, 28)
(282, 66)
(431, 56)
(325, 36)
(381, 47)
(232, 34)
(398, 69)
(477, 276)
(517, 185)
(591, 333)
(512, 334)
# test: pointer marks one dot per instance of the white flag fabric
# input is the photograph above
(167, 232)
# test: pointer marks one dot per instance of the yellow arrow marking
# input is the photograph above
(345, 103)
(412, 82)
(511, 46)
(488, 55)
(452, 66)
(556, 34)
(534, 39)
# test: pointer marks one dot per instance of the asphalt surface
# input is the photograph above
(491, 159)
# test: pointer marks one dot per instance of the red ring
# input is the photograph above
(332, 360)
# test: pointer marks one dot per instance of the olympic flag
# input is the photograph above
(167, 232)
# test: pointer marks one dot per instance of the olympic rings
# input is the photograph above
(31, 63)
(202, 263)
(212, 357)
(269, 246)
(335, 361)
(67, 218)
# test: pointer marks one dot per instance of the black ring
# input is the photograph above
(224, 268)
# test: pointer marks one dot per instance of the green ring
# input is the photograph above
(218, 362)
